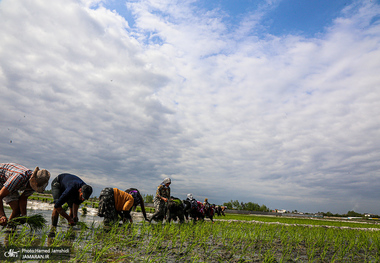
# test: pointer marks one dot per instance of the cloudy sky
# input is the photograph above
(274, 102)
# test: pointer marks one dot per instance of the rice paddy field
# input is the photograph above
(233, 238)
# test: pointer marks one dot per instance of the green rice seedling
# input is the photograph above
(84, 210)
(301, 221)
(82, 225)
(269, 255)
(35, 222)
(83, 254)
(312, 244)
(286, 252)
(206, 242)
(351, 244)
(323, 253)
(101, 254)
(287, 246)
(14, 238)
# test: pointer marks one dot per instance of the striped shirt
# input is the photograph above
(14, 177)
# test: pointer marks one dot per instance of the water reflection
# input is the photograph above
(79, 238)
(63, 232)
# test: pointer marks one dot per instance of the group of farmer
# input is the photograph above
(68, 188)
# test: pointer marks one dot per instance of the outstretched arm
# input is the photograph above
(63, 213)
(74, 212)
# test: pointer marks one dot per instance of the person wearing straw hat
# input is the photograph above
(14, 178)
(70, 189)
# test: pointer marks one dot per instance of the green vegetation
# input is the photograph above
(92, 202)
(245, 206)
(35, 222)
(41, 197)
(234, 238)
(302, 221)
(48, 198)
(147, 209)
(262, 240)
(148, 198)
(84, 210)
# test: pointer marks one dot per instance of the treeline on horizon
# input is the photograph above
(250, 206)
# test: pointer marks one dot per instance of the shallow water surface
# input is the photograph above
(45, 209)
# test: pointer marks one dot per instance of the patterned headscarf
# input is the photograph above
(167, 181)
(190, 196)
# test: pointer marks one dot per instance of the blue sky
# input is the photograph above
(283, 17)
(272, 102)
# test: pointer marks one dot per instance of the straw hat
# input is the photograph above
(39, 179)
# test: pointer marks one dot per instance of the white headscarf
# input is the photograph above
(190, 196)
(166, 181)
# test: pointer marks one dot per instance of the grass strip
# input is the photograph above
(300, 221)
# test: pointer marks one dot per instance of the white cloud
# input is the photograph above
(283, 121)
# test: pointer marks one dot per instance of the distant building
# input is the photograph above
(369, 215)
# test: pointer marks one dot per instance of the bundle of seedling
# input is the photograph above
(35, 222)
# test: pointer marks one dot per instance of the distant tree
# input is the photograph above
(264, 208)
(228, 205)
(353, 214)
(236, 204)
(148, 198)
(252, 206)
(331, 214)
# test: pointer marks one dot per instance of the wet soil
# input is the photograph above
(125, 245)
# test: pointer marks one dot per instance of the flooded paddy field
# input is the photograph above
(248, 240)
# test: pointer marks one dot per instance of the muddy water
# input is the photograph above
(45, 209)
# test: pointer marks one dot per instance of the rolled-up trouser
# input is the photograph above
(107, 206)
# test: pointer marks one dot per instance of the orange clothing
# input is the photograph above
(123, 200)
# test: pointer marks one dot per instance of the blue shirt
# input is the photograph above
(70, 185)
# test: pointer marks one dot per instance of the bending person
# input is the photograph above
(70, 189)
(15, 177)
(161, 199)
(138, 200)
(114, 203)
